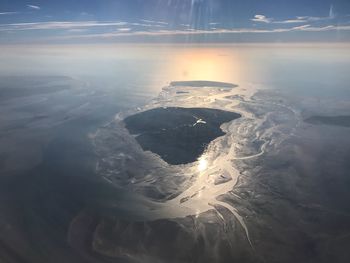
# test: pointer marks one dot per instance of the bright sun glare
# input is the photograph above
(202, 165)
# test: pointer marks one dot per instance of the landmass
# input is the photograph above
(178, 135)
(202, 83)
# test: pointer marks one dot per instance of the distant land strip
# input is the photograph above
(202, 83)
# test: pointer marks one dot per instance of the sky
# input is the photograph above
(109, 21)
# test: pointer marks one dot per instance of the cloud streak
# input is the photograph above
(269, 20)
(118, 34)
(35, 7)
(57, 25)
(72, 25)
(70, 30)
(298, 19)
(124, 29)
(262, 19)
(121, 28)
(154, 22)
(8, 13)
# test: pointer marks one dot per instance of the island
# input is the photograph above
(178, 135)
(202, 83)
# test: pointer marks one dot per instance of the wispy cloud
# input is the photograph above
(117, 34)
(314, 18)
(73, 24)
(291, 21)
(301, 28)
(309, 28)
(269, 20)
(146, 25)
(35, 7)
(117, 29)
(262, 19)
(124, 29)
(298, 19)
(57, 25)
(8, 13)
(154, 22)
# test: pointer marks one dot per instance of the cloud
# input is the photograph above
(290, 21)
(309, 28)
(269, 20)
(301, 27)
(82, 29)
(8, 13)
(57, 25)
(124, 29)
(117, 34)
(298, 19)
(73, 24)
(331, 16)
(261, 18)
(154, 22)
(314, 18)
(146, 25)
(35, 7)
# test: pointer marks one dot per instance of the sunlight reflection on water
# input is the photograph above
(202, 164)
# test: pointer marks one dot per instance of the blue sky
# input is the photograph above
(99, 21)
